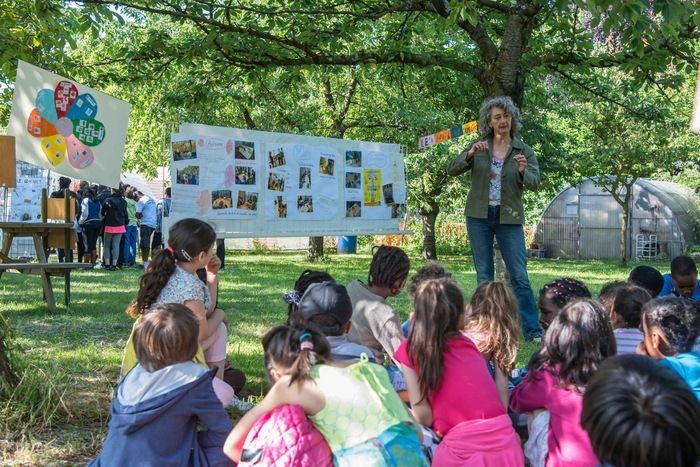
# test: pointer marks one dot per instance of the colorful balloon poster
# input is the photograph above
(67, 127)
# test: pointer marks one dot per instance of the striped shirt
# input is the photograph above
(627, 340)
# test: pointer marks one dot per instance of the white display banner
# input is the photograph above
(67, 127)
(254, 184)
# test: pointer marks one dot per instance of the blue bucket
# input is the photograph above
(347, 245)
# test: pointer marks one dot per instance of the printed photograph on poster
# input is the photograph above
(221, 199)
(372, 187)
(280, 207)
(245, 150)
(247, 201)
(304, 178)
(275, 182)
(388, 191)
(398, 210)
(245, 175)
(276, 158)
(305, 204)
(188, 175)
(353, 159)
(326, 165)
(353, 180)
(353, 209)
(184, 150)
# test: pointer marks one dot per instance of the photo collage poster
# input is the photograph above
(224, 177)
(214, 177)
(372, 190)
(302, 182)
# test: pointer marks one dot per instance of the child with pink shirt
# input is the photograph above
(579, 338)
(449, 385)
(492, 324)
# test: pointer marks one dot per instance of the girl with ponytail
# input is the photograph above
(351, 404)
(172, 278)
(449, 385)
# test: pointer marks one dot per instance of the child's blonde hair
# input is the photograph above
(494, 314)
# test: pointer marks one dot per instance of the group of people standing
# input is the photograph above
(120, 217)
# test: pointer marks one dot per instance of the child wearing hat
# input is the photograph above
(328, 306)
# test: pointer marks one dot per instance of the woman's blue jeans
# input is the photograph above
(511, 241)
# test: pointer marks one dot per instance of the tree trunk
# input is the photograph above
(624, 231)
(315, 248)
(429, 241)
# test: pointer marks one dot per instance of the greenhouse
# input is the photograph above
(584, 222)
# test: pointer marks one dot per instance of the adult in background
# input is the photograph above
(115, 219)
(132, 228)
(502, 167)
(91, 222)
(162, 210)
(80, 238)
(64, 184)
(147, 219)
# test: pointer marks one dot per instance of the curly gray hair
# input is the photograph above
(501, 102)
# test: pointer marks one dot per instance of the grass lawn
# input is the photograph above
(74, 356)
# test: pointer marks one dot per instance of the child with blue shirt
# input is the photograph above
(683, 279)
(671, 326)
(159, 404)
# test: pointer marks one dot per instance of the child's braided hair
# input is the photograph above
(389, 264)
(306, 278)
(561, 291)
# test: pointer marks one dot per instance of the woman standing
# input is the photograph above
(115, 219)
(502, 167)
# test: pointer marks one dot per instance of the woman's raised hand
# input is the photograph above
(479, 146)
(521, 162)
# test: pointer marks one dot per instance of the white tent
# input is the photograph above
(137, 180)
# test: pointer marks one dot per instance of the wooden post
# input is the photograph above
(67, 250)
(44, 218)
(8, 171)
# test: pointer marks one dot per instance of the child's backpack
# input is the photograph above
(285, 436)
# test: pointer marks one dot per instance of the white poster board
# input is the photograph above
(67, 127)
(262, 184)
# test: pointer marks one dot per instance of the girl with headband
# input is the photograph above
(352, 405)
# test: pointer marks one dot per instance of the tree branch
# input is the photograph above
(597, 93)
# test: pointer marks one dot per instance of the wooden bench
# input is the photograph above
(46, 270)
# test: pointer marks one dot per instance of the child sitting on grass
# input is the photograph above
(352, 405)
(432, 270)
(450, 388)
(556, 294)
(306, 278)
(328, 306)
(647, 277)
(671, 326)
(375, 324)
(624, 304)
(638, 413)
(159, 403)
(171, 278)
(683, 279)
(579, 338)
(492, 324)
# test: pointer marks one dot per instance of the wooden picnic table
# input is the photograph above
(39, 232)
